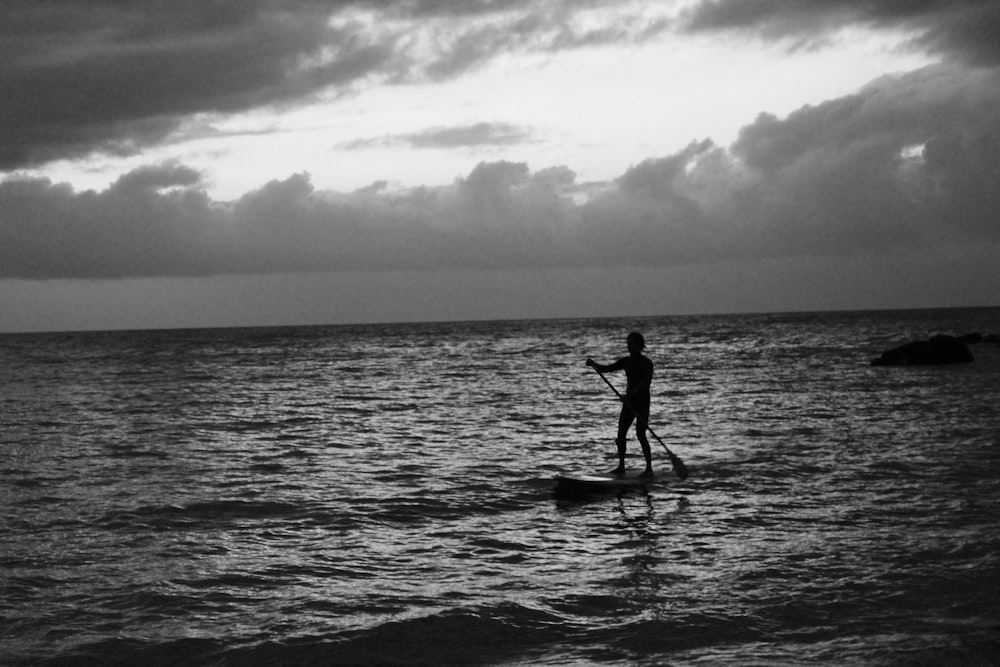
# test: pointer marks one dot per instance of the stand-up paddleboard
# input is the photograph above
(571, 487)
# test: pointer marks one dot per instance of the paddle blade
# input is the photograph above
(679, 466)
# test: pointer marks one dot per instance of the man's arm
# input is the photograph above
(606, 368)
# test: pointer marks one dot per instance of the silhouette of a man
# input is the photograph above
(635, 403)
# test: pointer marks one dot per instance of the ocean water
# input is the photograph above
(383, 495)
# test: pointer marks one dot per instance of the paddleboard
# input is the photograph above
(579, 486)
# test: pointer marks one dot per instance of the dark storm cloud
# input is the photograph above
(462, 136)
(79, 76)
(965, 31)
(909, 164)
(904, 163)
(113, 76)
(156, 222)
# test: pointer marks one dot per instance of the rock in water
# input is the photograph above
(937, 350)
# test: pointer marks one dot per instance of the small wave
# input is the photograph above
(166, 517)
(485, 635)
(135, 452)
(128, 651)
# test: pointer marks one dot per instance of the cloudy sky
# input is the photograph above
(243, 162)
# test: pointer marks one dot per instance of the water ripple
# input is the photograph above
(383, 494)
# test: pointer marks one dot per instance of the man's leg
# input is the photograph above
(640, 431)
(624, 421)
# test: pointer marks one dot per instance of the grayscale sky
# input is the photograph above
(191, 163)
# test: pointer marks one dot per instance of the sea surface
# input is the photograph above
(383, 495)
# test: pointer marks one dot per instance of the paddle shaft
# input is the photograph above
(679, 466)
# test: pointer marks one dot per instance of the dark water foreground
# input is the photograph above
(382, 494)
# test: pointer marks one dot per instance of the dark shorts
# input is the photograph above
(639, 407)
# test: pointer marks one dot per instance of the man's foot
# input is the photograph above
(620, 470)
(647, 473)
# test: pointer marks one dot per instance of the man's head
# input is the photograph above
(636, 342)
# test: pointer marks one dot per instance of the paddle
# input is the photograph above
(678, 465)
